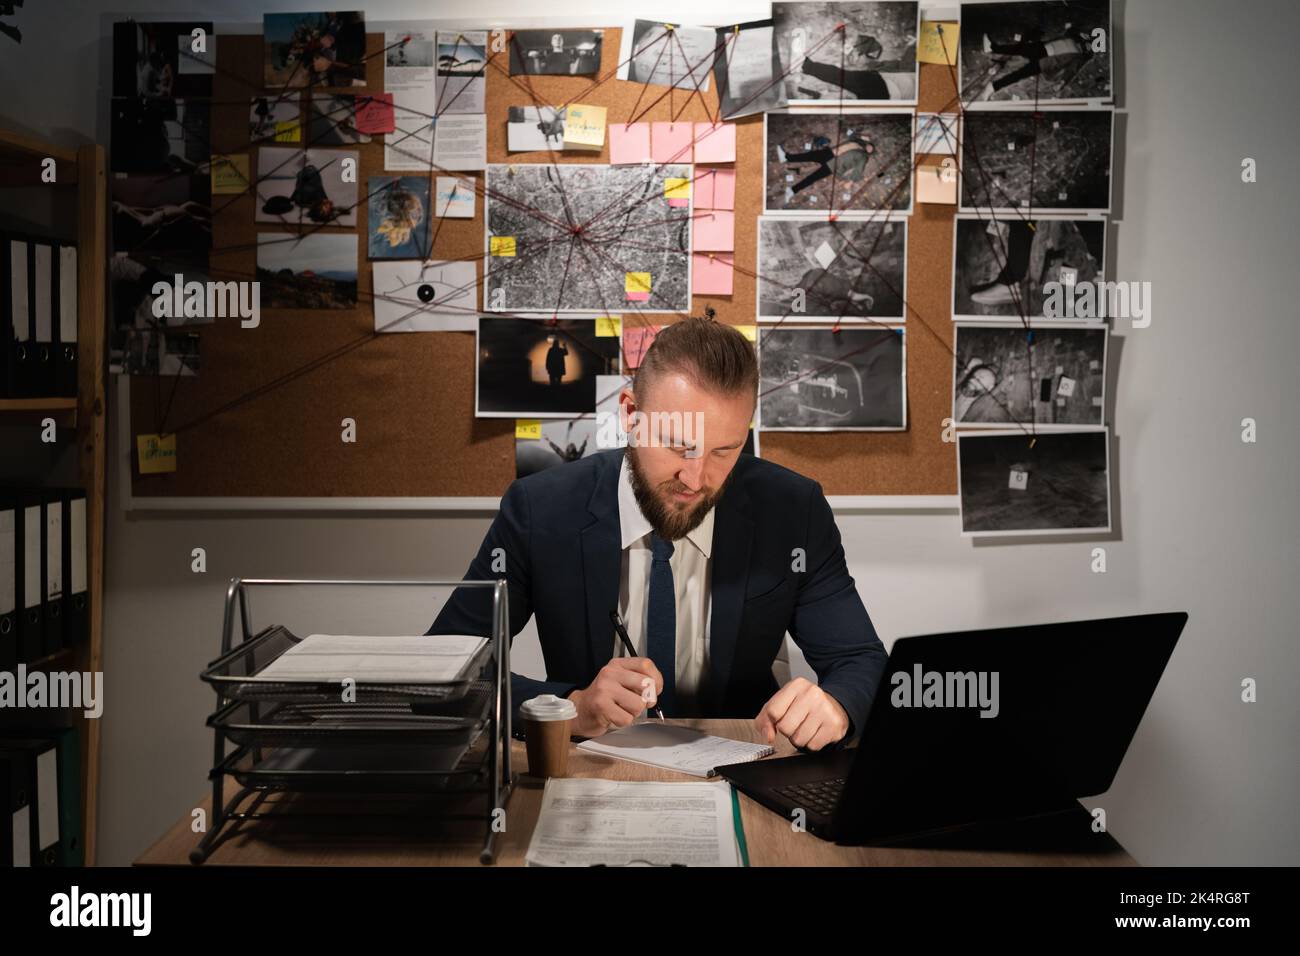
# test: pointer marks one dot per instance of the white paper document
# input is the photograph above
(410, 74)
(381, 659)
(671, 747)
(586, 821)
(460, 142)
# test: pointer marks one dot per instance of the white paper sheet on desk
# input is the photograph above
(378, 659)
(586, 821)
(671, 747)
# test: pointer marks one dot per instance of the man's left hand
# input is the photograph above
(803, 712)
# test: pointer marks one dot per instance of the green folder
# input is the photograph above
(740, 827)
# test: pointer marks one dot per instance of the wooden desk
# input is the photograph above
(422, 841)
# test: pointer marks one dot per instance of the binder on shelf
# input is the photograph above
(76, 593)
(6, 825)
(21, 354)
(17, 824)
(42, 255)
(7, 343)
(31, 616)
(8, 584)
(67, 741)
(65, 365)
(40, 759)
(52, 570)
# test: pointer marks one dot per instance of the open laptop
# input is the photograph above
(1064, 706)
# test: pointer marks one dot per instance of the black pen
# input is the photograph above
(627, 642)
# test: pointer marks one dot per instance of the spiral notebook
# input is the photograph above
(671, 747)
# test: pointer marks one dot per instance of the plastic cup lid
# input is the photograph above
(549, 707)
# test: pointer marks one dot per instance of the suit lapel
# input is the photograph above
(602, 560)
(733, 533)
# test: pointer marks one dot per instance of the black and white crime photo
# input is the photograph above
(1035, 52)
(1018, 482)
(859, 52)
(1021, 161)
(1007, 374)
(840, 162)
(820, 379)
(1002, 264)
(812, 269)
(748, 70)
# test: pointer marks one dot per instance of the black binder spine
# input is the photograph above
(8, 585)
(22, 274)
(31, 616)
(76, 567)
(52, 580)
(19, 811)
(7, 343)
(44, 318)
(66, 326)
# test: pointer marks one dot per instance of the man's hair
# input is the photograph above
(714, 356)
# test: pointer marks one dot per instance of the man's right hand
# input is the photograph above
(621, 692)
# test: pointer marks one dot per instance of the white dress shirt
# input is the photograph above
(691, 566)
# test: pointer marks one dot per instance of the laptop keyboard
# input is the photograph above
(820, 796)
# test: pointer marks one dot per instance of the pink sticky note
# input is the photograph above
(715, 230)
(715, 144)
(629, 145)
(724, 189)
(711, 274)
(635, 341)
(375, 113)
(671, 142)
(703, 186)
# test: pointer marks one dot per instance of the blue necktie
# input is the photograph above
(661, 620)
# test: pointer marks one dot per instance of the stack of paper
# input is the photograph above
(587, 822)
(418, 659)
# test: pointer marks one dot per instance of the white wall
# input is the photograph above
(1205, 523)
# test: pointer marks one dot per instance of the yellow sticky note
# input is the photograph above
(157, 454)
(637, 283)
(502, 245)
(230, 175)
(288, 131)
(584, 126)
(748, 331)
(677, 189)
(528, 428)
(930, 49)
(609, 326)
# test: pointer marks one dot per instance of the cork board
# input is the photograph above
(263, 417)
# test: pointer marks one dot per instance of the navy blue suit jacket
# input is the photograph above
(559, 531)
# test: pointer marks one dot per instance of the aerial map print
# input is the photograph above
(583, 238)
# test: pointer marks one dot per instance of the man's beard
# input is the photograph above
(670, 521)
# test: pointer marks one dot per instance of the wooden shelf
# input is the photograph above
(83, 169)
(21, 157)
(37, 404)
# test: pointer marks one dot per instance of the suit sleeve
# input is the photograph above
(504, 553)
(831, 626)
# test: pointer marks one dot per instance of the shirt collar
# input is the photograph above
(634, 526)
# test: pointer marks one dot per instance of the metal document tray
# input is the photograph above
(361, 769)
(336, 724)
(234, 676)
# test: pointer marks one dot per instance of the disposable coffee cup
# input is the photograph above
(547, 720)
